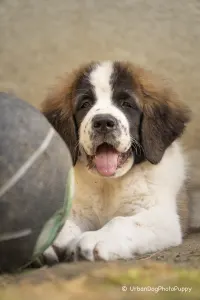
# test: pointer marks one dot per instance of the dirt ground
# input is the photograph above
(40, 40)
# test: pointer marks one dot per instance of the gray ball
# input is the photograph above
(36, 183)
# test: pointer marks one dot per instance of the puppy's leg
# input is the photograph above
(123, 237)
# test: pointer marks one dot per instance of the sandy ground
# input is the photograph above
(40, 40)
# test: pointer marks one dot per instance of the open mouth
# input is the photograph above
(107, 159)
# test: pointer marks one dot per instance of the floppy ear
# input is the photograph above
(164, 118)
(57, 109)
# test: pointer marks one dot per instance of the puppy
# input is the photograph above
(121, 125)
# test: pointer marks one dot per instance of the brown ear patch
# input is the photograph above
(65, 126)
(57, 108)
(164, 116)
(161, 126)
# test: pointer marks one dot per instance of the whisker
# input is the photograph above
(137, 145)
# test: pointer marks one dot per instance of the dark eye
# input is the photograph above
(85, 104)
(126, 104)
(125, 100)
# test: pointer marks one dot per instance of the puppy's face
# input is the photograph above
(107, 117)
(112, 115)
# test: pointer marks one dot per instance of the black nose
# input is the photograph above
(104, 123)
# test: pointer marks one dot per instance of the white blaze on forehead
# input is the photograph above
(100, 79)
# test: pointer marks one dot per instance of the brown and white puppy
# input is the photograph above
(121, 124)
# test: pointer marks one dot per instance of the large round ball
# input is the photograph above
(36, 183)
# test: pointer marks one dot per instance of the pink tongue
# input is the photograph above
(106, 160)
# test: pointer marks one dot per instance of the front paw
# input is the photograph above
(81, 248)
(94, 246)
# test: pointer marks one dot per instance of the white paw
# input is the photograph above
(100, 246)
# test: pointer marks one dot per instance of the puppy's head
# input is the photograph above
(113, 115)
